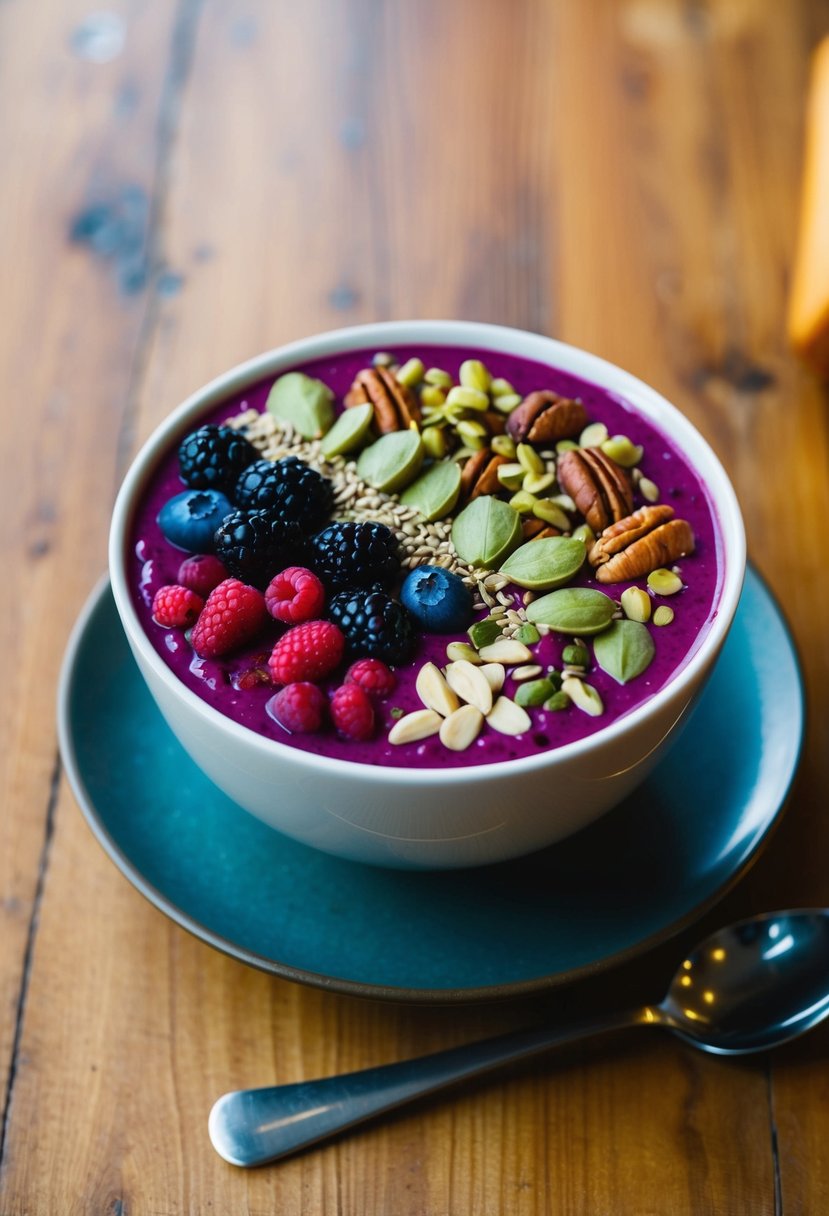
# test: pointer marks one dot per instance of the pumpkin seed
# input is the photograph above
(500, 387)
(534, 693)
(467, 398)
(575, 655)
(435, 492)
(434, 442)
(543, 564)
(437, 376)
(648, 489)
(485, 531)
(593, 436)
(417, 725)
(411, 373)
(663, 615)
(461, 728)
(473, 374)
(551, 513)
(471, 686)
(349, 430)
(434, 692)
(624, 650)
(528, 634)
(504, 445)
(584, 696)
(506, 402)
(433, 395)
(508, 718)
(579, 611)
(392, 461)
(624, 452)
(529, 458)
(558, 701)
(664, 582)
(306, 404)
(537, 483)
(523, 502)
(636, 604)
(511, 476)
(485, 632)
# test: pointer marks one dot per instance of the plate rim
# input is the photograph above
(379, 991)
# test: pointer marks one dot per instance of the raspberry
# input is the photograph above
(373, 675)
(233, 615)
(201, 573)
(295, 595)
(352, 712)
(176, 607)
(307, 652)
(298, 707)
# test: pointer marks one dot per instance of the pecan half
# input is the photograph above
(644, 541)
(395, 405)
(601, 489)
(479, 474)
(537, 529)
(544, 417)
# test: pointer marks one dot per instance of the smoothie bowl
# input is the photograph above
(426, 594)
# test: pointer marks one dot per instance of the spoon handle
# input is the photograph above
(254, 1126)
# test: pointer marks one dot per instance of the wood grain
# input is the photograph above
(622, 175)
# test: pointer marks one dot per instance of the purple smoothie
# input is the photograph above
(153, 562)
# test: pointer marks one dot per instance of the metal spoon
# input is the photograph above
(747, 988)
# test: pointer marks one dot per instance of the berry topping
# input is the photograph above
(176, 607)
(348, 555)
(374, 624)
(299, 707)
(201, 573)
(233, 615)
(189, 520)
(438, 599)
(255, 545)
(352, 712)
(213, 457)
(307, 652)
(288, 488)
(373, 675)
(295, 595)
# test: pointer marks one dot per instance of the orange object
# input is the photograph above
(808, 319)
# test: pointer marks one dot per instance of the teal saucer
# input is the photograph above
(637, 876)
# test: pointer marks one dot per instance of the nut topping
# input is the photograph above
(395, 405)
(600, 488)
(544, 417)
(644, 541)
(479, 474)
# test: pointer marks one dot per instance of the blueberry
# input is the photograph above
(188, 520)
(438, 599)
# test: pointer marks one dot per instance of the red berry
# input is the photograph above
(299, 707)
(233, 615)
(352, 712)
(295, 595)
(202, 573)
(307, 652)
(176, 607)
(373, 675)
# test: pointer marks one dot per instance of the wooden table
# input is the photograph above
(186, 185)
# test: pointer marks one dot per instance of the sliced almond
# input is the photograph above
(528, 672)
(461, 728)
(434, 692)
(462, 650)
(417, 725)
(472, 687)
(494, 675)
(508, 718)
(506, 651)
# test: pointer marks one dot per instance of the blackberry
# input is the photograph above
(374, 624)
(353, 555)
(256, 545)
(289, 488)
(212, 458)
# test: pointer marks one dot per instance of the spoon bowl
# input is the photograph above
(747, 988)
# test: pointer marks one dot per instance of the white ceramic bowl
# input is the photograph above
(430, 818)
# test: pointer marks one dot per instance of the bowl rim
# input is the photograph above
(478, 336)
